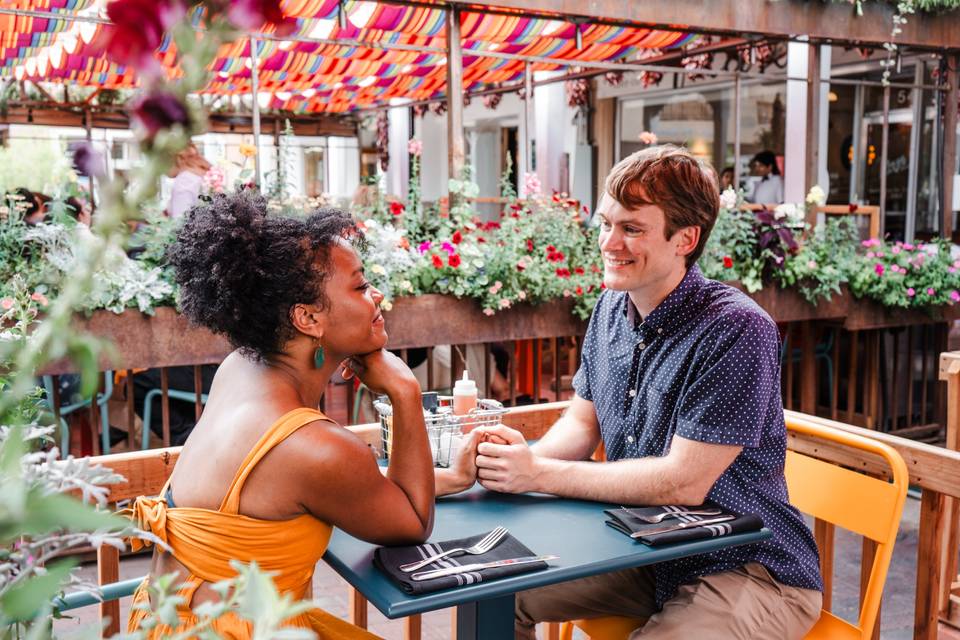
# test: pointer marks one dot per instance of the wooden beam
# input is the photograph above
(836, 22)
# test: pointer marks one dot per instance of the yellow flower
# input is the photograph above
(386, 305)
(248, 150)
(378, 269)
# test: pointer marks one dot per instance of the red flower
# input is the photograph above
(594, 268)
(551, 248)
(481, 239)
(514, 215)
(156, 111)
(603, 285)
(252, 14)
(579, 291)
(457, 237)
(454, 260)
(563, 273)
(138, 29)
(853, 208)
(437, 261)
(490, 226)
(578, 271)
(559, 256)
(520, 266)
(396, 208)
(590, 288)
(727, 262)
(529, 245)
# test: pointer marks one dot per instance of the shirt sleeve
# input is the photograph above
(728, 400)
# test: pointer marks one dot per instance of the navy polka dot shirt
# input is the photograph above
(704, 365)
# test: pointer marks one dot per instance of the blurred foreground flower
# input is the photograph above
(88, 160)
(252, 14)
(138, 29)
(156, 111)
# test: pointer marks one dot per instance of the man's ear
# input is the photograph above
(308, 319)
(688, 238)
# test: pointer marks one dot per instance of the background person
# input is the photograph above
(187, 173)
(768, 184)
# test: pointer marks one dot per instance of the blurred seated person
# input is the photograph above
(768, 184)
(265, 476)
(187, 173)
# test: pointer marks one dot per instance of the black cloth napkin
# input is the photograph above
(627, 523)
(389, 559)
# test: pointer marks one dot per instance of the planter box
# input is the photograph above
(167, 339)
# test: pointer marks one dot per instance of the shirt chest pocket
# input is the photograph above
(661, 408)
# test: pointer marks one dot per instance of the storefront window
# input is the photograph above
(703, 121)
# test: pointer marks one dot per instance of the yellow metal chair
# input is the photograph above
(859, 503)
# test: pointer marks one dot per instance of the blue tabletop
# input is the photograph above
(571, 529)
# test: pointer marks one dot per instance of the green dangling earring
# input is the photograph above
(318, 358)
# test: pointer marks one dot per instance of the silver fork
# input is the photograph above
(486, 543)
(660, 517)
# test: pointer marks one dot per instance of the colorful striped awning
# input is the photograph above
(312, 77)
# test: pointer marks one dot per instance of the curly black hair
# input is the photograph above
(241, 271)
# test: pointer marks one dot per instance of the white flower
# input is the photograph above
(378, 269)
(728, 199)
(790, 212)
(816, 197)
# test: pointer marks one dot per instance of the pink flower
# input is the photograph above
(648, 137)
(252, 14)
(39, 297)
(496, 287)
(6, 303)
(895, 250)
(952, 269)
(911, 292)
(88, 160)
(872, 242)
(415, 147)
(522, 295)
(871, 254)
(931, 291)
(567, 293)
(956, 263)
(504, 303)
(424, 246)
(531, 185)
(955, 295)
(449, 248)
(812, 264)
(879, 269)
(488, 311)
(908, 246)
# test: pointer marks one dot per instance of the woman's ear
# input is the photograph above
(308, 319)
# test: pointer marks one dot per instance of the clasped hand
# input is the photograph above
(500, 459)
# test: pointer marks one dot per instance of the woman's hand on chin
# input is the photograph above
(382, 372)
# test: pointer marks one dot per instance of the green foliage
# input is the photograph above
(907, 275)
(38, 165)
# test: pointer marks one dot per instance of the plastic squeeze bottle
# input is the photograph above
(464, 395)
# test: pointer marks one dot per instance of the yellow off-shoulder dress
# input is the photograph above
(205, 541)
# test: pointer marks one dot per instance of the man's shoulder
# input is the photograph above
(730, 308)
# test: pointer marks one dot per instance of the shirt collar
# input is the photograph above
(673, 311)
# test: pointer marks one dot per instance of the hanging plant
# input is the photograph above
(578, 92)
(613, 78)
(492, 100)
(693, 63)
(419, 110)
(650, 78)
(439, 108)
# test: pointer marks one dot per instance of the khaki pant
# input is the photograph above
(743, 603)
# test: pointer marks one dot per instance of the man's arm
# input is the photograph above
(574, 436)
(684, 476)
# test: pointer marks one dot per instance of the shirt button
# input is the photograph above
(660, 330)
(633, 393)
(629, 438)
(641, 346)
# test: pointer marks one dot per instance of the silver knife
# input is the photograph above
(467, 568)
(680, 525)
